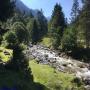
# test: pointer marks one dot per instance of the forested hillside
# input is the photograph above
(41, 54)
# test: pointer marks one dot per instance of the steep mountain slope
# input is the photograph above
(24, 9)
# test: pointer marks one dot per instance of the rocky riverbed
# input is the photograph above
(44, 55)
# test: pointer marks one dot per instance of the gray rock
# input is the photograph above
(87, 87)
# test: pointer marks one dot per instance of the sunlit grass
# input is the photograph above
(5, 54)
(46, 41)
(50, 77)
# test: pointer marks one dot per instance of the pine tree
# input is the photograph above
(35, 32)
(75, 11)
(85, 21)
(57, 25)
(58, 17)
(42, 22)
(6, 9)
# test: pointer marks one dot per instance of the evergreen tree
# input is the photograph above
(35, 32)
(29, 27)
(58, 24)
(57, 38)
(40, 30)
(75, 11)
(6, 9)
(58, 17)
(42, 23)
(85, 21)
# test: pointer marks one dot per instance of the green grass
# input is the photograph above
(46, 41)
(51, 78)
(4, 57)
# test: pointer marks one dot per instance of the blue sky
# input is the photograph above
(48, 5)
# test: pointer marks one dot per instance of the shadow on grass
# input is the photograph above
(37, 86)
(12, 80)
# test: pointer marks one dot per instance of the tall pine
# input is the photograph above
(58, 17)
(57, 25)
(42, 23)
(75, 11)
(34, 32)
(85, 21)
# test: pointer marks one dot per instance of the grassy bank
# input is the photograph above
(51, 78)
